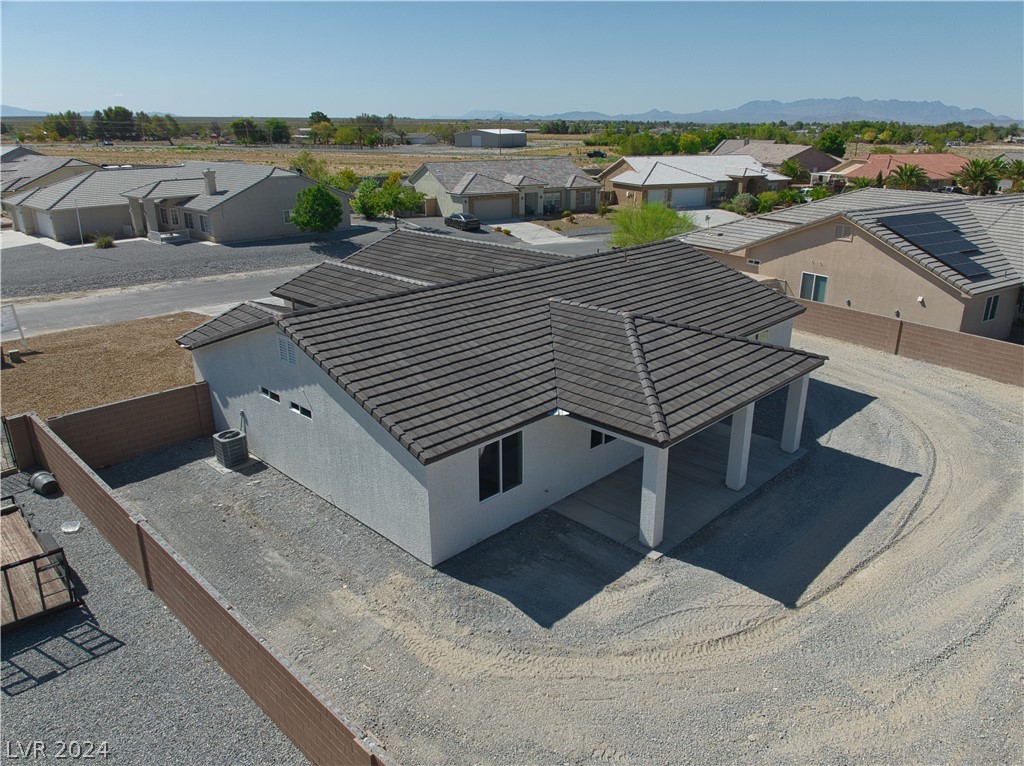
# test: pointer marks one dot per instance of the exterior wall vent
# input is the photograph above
(230, 448)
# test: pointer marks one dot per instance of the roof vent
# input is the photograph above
(230, 448)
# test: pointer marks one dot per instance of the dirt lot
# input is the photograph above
(69, 371)
(580, 222)
(863, 608)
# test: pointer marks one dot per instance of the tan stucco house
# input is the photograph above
(946, 261)
(687, 181)
(772, 154)
(212, 201)
(500, 189)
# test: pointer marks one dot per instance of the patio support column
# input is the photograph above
(739, 447)
(135, 210)
(152, 222)
(796, 401)
(652, 495)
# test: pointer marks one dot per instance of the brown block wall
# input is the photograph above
(316, 727)
(993, 359)
(113, 433)
(19, 432)
(89, 493)
(877, 332)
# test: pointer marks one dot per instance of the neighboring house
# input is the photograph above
(940, 168)
(492, 138)
(214, 201)
(411, 138)
(772, 154)
(33, 170)
(690, 181)
(855, 250)
(501, 189)
(1006, 184)
(9, 153)
(440, 414)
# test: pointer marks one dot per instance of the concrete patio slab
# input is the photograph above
(696, 490)
(530, 233)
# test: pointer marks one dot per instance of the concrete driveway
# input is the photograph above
(531, 233)
(708, 217)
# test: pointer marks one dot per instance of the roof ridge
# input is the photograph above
(643, 371)
(375, 272)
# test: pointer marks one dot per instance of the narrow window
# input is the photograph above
(844, 231)
(813, 287)
(287, 216)
(204, 223)
(301, 410)
(272, 395)
(189, 221)
(174, 217)
(163, 215)
(991, 307)
(500, 465)
(286, 350)
(753, 262)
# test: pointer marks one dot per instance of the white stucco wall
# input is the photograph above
(341, 454)
(557, 461)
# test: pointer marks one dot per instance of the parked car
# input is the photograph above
(106, 143)
(596, 153)
(951, 189)
(464, 221)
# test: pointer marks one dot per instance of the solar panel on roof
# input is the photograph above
(940, 239)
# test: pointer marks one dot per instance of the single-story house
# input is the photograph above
(441, 413)
(691, 181)
(498, 189)
(939, 168)
(491, 138)
(411, 138)
(1006, 184)
(948, 261)
(33, 170)
(772, 154)
(213, 201)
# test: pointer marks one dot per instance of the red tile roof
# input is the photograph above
(938, 167)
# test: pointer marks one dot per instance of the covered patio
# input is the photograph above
(695, 492)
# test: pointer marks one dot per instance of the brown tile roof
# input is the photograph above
(247, 316)
(447, 367)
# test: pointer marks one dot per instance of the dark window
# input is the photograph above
(813, 287)
(500, 465)
(597, 438)
(272, 395)
(302, 410)
(991, 307)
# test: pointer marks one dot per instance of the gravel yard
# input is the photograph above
(37, 270)
(865, 607)
(122, 670)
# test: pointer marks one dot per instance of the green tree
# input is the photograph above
(278, 131)
(908, 178)
(316, 209)
(114, 122)
(345, 135)
(979, 177)
(1014, 172)
(648, 223)
(819, 192)
(794, 170)
(247, 131)
(394, 198)
(310, 165)
(689, 143)
(366, 200)
(322, 132)
(65, 125)
(317, 117)
(861, 182)
(832, 142)
(345, 179)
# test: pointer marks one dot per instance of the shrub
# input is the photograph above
(602, 210)
(767, 201)
(507, 232)
(744, 203)
(566, 214)
(556, 228)
(90, 238)
(790, 197)
(820, 192)
(104, 241)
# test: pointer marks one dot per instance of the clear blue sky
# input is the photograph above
(423, 59)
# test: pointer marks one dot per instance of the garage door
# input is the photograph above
(688, 197)
(656, 195)
(44, 225)
(491, 209)
(477, 141)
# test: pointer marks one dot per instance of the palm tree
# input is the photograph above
(861, 182)
(908, 178)
(1014, 172)
(979, 177)
(794, 170)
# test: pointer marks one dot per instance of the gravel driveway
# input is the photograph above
(863, 608)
